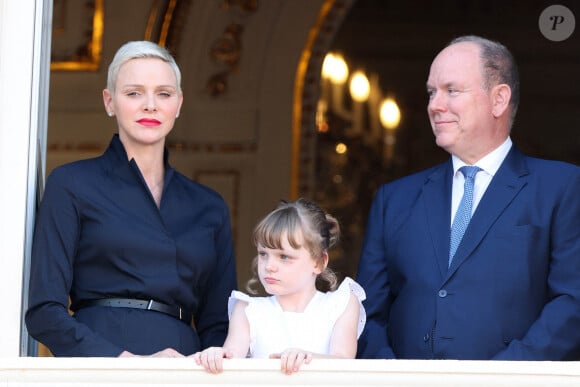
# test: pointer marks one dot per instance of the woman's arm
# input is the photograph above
(54, 249)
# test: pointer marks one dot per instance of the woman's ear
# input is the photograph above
(108, 102)
(180, 104)
(501, 96)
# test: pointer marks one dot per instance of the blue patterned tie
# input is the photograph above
(463, 214)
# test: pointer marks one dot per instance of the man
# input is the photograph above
(511, 291)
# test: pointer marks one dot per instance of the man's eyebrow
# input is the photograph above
(445, 85)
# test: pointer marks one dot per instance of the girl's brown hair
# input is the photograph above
(302, 218)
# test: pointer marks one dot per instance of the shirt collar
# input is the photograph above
(118, 149)
(491, 162)
(119, 160)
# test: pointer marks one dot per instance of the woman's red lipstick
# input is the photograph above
(149, 122)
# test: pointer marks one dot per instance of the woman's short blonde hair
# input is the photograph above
(136, 50)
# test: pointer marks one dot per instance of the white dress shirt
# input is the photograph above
(489, 164)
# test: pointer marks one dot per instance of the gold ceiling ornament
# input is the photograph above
(159, 21)
(165, 23)
(77, 46)
(226, 50)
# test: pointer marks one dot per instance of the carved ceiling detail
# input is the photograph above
(226, 49)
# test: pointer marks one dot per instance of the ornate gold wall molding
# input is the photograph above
(77, 46)
(306, 92)
(226, 50)
(165, 23)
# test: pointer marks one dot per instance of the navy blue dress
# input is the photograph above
(99, 234)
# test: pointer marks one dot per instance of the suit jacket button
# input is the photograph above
(426, 337)
(442, 293)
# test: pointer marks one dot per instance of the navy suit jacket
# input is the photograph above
(513, 289)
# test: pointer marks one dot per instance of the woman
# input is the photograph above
(144, 253)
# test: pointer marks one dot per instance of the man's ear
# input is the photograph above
(500, 99)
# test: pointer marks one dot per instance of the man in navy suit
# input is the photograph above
(511, 291)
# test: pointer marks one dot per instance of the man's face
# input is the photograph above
(459, 108)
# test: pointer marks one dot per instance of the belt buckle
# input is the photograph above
(149, 305)
(180, 313)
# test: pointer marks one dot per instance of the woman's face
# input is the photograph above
(146, 101)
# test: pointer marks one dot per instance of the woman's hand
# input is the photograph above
(211, 358)
(292, 358)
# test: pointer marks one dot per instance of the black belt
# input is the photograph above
(175, 311)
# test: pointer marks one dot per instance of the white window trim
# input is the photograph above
(25, 31)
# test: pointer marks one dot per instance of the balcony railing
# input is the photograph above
(104, 372)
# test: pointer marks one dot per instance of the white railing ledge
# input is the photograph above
(104, 372)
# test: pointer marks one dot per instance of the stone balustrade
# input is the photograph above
(105, 372)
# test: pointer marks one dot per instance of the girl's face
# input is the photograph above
(288, 271)
(146, 101)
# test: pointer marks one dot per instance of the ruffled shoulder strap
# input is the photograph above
(354, 288)
(235, 297)
(342, 295)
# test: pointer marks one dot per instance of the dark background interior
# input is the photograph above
(398, 40)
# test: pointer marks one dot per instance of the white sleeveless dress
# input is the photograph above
(272, 330)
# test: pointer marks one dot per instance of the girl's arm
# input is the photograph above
(343, 342)
(238, 341)
(236, 345)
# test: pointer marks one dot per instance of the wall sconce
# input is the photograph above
(390, 117)
(371, 116)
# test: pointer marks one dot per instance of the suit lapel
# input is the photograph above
(437, 201)
(505, 185)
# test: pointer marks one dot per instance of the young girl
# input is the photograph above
(298, 322)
